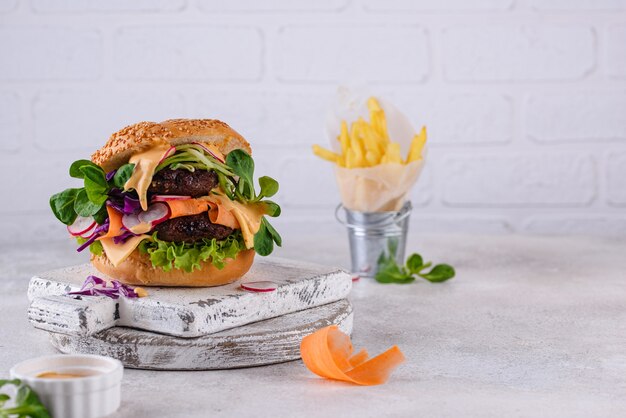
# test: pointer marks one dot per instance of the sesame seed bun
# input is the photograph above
(143, 135)
(138, 270)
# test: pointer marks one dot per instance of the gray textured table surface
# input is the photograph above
(530, 327)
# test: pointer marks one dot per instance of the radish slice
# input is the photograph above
(89, 233)
(168, 153)
(208, 151)
(356, 278)
(81, 225)
(166, 198)
(262, 286)
(134, 225)
(156, 213)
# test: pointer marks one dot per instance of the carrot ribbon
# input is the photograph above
(328, 353)
(115, 224)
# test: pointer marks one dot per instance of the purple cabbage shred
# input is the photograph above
(110, 174)
(88, 242)
(95, 286)
(122, 238)
(131, 205)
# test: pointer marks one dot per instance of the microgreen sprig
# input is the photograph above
(390, 272)
(26, 403)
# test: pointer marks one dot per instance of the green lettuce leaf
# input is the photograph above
(188, 256)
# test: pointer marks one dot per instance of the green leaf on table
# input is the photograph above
(391, 275)
(15, 382)
(26, 402)
(388, 270)
(414, 263)
(439, 273)
(392, 245)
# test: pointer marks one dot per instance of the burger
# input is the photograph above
(171, 204)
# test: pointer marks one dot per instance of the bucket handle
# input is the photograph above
(397, 218)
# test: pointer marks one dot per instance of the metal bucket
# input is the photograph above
(375, 234)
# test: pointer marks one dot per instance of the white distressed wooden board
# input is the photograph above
(183, 312)
(271, 341)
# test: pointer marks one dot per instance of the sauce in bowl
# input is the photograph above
(73, 374)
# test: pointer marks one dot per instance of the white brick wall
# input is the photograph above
(111, 6)
(393, 54)
(10, 137)
(519, 180)
(574, 116)
(616, 56)
(83, 108)
(525, 100)
(50, 52)
(518, 52)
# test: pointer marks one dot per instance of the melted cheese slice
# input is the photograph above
(117, 253)
(248, 216)
(145, 164)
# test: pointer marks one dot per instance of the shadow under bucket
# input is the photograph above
(375, 234)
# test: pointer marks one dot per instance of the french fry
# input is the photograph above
(355, 128)
(392, 153)
(382, 125)
(417, 145)
(359, 154)
(344, 138)
(370, 140)
(372, 158)
(326, 154)
(374, 126)
(377, 118)
(350, 159)
(373, 105)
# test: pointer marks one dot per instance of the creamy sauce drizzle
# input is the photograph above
(145, 164)
(249, 216)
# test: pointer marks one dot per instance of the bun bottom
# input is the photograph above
(138, 270)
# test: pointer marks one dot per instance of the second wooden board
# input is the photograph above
(267, 342)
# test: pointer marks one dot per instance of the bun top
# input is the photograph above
(143, 135)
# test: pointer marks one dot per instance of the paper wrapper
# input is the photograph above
(383, 187)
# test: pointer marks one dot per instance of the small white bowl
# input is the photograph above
(96, 395)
